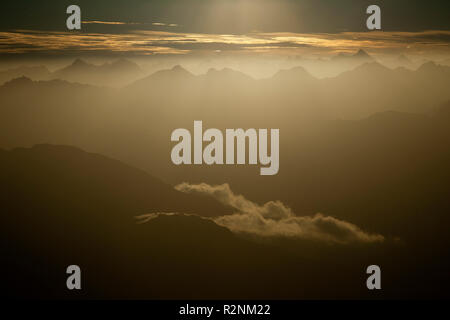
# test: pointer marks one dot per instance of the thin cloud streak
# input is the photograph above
(128, 23)
(105, 22)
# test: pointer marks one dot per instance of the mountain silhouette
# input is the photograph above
(121, 65)
(296, 74)
(376, 146)
(404, 60)
(370, 70)
(434, 70)
(116, 73)
(360, 55)
(86, 179)
(177, 75)
(33, 72)
(25, 83)
(226, 74)
(18, 82)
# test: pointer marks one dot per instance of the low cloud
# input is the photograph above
(276, 219)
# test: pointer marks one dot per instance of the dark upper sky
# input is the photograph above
(230, 16)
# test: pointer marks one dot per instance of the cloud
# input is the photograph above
(276, 219)
(103, 22)
(36, 41)
(144, 41)
(164, 24)
(144, 218)
(161, 24)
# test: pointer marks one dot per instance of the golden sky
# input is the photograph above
(149, 42)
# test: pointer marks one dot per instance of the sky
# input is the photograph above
(190, 27)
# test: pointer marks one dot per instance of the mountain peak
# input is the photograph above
(227, 73)
(404, 59)
(76, 65)
(429, 65)
(124, 62)
(361, 54)
(20, 81)
(434, 68)
(122, 65)
(226, 69)
(295, 72)
(178, 68)
(212, 71)
(79, 62)
(177, 73)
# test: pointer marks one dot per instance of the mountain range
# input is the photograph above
(115, 73)
(33, 72)
(368, 147)
(123, 72)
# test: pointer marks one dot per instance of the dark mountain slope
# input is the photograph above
(67, 177)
